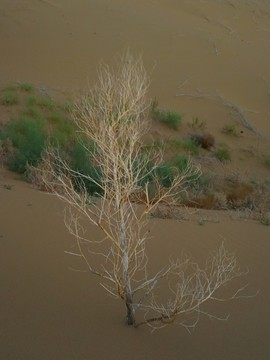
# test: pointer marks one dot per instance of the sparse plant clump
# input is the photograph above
(6, 150)
(205, 140)
(200, 201)
(40, 101)
(8, 96)
(31, 100)
(197, 124)
(259, 202)
(67, 107)
(9, 99)
(265, 220)
(170, 118)
(230, 130)
(189, 145)
(266, 184)
(27, 139)
(26, 87)
(238, 194)
(45, 102)
(33, 112)
(39, 121)
(222, 153)
(7, 186)
(169, 170)
(169, 212)
(266, 160)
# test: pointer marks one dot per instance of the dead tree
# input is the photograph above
(113, 117)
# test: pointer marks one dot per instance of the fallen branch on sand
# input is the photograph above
(239, 114)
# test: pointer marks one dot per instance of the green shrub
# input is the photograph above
(266, 160)
(181, 162)
(41, 101)
(67, 107)
(81, 162)
(183, 165)
(39, 121)
(170, 118)
(26, 87)
(166, 174)
(9, 96)
(45, 102)
(28, 140)
(266, 183)
(189, 145)
(204, 182)
(34, 112)
(61, 131)
(10, 87)
(265, 221)
(222, 153)
(31, 100)
(168, 171)
(55, 117)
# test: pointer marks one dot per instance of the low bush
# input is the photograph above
(165, 174)
(28, 140)
(222, 153)
(61, 130)
(167, 171)
(170, 118)
(81, 161)
(31, 100)
(26, 87)
(33, 111)
(41, 101)
(189, 145)
(265, 221)
(266, 160)
(8, 96)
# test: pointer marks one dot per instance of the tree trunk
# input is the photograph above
(130, 311)
(126, 278)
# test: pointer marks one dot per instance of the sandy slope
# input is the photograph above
(50, 312)
(215, 46)
(206, 59)
(215, 50)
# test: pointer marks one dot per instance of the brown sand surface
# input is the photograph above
(217, 46)
(206, 58)
(51, 312)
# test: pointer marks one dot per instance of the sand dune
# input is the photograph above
(206, 58)
(50, 312)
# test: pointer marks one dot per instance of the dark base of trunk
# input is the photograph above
(130, 315)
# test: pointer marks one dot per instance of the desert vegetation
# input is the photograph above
(34, 120)
(170, 118)
(116, 185)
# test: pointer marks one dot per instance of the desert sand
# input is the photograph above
(206, 58)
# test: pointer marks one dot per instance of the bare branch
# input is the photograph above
(111, 121)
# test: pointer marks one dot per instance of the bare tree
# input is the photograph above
(112, 117)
